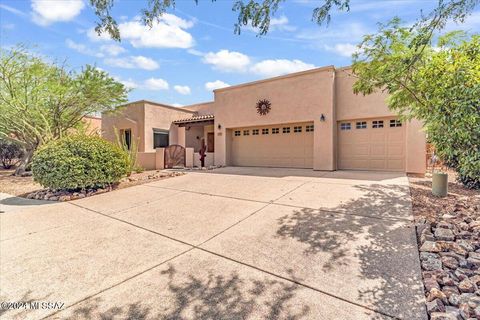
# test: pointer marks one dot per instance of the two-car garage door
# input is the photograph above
(282, 145)
(377, 144)
(363, 144)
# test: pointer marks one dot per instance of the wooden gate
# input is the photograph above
(174, 156)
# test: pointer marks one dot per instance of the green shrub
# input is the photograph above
(468, 169)
(78, 162)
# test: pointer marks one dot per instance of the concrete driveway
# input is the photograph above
(234, 243)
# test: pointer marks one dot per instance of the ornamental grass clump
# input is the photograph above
(79, 162)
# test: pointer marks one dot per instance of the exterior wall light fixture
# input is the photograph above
(219, 126)
(322, 117)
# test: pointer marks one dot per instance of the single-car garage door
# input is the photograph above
(282, 145)
(374, 144)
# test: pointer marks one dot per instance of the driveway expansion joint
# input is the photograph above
(389, 219)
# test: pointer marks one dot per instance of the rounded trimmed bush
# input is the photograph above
(78, 162)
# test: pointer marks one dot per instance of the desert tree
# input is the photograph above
(42, 101)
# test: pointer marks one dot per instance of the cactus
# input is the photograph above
(203, 153)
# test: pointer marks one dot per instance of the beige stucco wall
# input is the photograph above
(93, 125)
(201, 108)
(130, 116)
(193, 137)
(147, 160)
(160, 117)
(301, 97)
(142, 117)
(357, 106)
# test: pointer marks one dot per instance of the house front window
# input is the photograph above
(126, 136)
(160, 138)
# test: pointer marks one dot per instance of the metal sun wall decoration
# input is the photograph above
(263, 106)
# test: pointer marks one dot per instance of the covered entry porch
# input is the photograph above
(196, 134)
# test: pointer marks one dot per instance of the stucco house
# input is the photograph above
(310, 119)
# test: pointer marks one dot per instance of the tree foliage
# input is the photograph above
(437, 82)
(258, 13)
(42, 101)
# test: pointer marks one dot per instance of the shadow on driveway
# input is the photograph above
(389, 255)
(211, 296)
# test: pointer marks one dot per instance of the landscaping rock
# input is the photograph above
(444, 234)
(435, 306)
(450, 262)
(64, 195)
(430, 246)
(466, 286)
(436, 294)
(432, 264)
(442, 316)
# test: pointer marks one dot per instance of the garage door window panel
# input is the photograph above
(395, 123)
(255, 132)
(361, 125)
(265, 131)
(286, 130)
(297, 129)
(345, 126)
(377, 124)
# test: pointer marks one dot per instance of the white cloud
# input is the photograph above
(83, 49)
(351, 32)
(133, 62)
(343, 49)
(178, 105)
(272, 68)
(182, 89)
(169, 32)
(156, 84)
(217, 84)
(145, 63)
(153, 84)
(129, 83)
(112, 49)
(281, 24)
(94, 36)
(195, 52)
(225, 60)
(46, 12)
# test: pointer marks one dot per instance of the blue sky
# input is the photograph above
(194, 50)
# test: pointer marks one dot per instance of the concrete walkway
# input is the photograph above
(234, 243)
